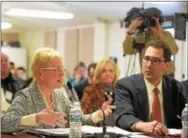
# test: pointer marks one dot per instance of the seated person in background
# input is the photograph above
(12, 68)
(150, 102)
(152, 33)
(9, 84)
(80, 88)
(79, 75)
(39, 105)
(104, 80)
(21, 73)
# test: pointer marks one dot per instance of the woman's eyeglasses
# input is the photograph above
(61, 68)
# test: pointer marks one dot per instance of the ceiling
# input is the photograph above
(85, 12)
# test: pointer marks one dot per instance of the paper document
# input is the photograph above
(136, 136)
(92, 130)
(174, 131)
(55, 131)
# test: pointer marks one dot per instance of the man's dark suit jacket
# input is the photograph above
(185, 83)
(131, 101)
(12, 84)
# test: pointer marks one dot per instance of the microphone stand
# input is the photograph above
(105, 134)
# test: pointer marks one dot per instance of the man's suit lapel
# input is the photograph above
(166, 100)
(142, 96)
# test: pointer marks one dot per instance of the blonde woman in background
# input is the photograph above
(105, 77)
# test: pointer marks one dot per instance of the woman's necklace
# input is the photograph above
(108, 91)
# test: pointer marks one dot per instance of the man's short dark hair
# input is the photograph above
(159, 44)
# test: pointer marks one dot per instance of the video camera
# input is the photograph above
(146, 15)
(148, 21)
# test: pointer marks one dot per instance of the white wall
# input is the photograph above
(31, 40)
(129, 64)
(80, 46)
(99, 41)
(186, 54)
(179, 60)
(116, 38)
(60, 41)
(180, 57)
(16, 55)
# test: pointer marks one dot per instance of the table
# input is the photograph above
(19, 136)
(32, 136)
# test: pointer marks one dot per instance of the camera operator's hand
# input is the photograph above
(135, 24)
(157, 29)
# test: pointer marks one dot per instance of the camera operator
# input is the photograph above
(154, 32)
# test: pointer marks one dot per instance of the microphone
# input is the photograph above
(104, 134)
(69, 93)
(73, 92)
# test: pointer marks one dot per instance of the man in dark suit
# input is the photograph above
(136, 96)
(10, 84)
(185, 83)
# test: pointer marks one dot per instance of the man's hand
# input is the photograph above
(135, 24)
(49, 117)
(157, 28)
(151, 128)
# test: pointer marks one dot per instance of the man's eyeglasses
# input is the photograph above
(153, 60)
(55, 68)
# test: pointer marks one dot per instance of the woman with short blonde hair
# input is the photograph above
(41, 57)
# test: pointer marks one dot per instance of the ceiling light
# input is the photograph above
(162, 2)
(5, 25)
(39, 14)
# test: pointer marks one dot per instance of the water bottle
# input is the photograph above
(75, 121)
(184, 118)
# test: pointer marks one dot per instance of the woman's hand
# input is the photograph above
(49, 117)
(107, 107)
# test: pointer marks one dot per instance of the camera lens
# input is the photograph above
(152, 22)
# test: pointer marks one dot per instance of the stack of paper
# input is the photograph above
(92, 130)
(174, 131)
(55, 131)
